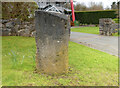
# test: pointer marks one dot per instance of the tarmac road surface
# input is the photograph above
(108, 44)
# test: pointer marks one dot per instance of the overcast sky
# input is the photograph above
(104, 2)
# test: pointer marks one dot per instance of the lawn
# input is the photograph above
(90, 30)
(87, 66)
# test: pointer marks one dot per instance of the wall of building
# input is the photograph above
(52, 0)
(44, 3)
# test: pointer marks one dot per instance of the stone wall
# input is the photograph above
(107, 26)
(17, 28)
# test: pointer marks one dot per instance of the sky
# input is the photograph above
(104, 2)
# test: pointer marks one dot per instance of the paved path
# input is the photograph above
(108, 44)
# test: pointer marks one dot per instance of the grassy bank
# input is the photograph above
(87, 67)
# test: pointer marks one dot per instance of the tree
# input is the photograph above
(118, 5)
(19, 10)
(0, 10)
(114, 5)
(80, 7)
(94, 6)
(107, 8)
(68, 5)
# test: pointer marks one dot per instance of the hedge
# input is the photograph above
(92, 17)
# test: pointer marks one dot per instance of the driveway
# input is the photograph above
(108, 44)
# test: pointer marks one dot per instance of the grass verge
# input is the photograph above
(87, 66)
(90, 30)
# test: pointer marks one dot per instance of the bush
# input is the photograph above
(20, 10)
(92, 17)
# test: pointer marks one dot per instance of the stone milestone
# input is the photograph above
(52, 36)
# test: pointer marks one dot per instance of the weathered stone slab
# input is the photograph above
(52, 36)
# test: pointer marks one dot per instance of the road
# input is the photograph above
(108, 44)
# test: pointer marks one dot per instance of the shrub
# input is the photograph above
(92, 17)
(21, 10)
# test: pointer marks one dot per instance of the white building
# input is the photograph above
(56, 4)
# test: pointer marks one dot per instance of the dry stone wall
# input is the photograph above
(107, 26)
(16, 28)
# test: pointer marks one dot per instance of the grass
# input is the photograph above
(87, 66)
(90, 30)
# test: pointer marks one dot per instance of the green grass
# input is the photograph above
(90, 30)
(88, 67)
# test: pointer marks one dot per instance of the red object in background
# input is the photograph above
(72, 8)
(72, 23)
